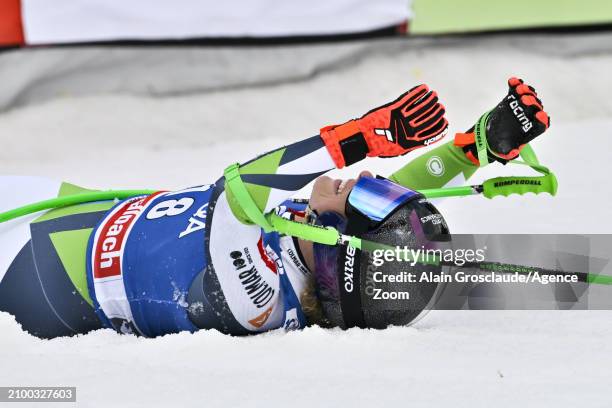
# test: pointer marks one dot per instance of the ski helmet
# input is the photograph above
(358, 288)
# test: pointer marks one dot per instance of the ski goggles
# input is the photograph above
(382, 212)
(372, 200)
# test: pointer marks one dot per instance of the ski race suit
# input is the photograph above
(174, 261)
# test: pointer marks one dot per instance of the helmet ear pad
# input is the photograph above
(326, 278)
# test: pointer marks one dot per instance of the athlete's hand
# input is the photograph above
(413, 120)
(515, 121)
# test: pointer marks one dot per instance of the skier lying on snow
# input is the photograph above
(195, 259)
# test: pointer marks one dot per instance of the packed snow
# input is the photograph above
(450, 358)
(459, 359)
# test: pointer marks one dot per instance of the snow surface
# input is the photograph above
(452, 358)
(458, 359)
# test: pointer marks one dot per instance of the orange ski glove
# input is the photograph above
(413, 120)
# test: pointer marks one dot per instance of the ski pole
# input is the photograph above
(499, 186)
(501, 267)
(68, 200)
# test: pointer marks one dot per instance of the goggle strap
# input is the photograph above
(348, 267)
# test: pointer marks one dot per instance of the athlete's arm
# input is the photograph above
(277, 175)
(515, 121)
(413, 120)
(435, 168)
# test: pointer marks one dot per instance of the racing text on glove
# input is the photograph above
(515, 121)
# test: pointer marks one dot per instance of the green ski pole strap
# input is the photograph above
(480, 138)
(236, 186)
(504, 186)
(314, 233)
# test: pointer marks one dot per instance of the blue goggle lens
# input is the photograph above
(377, 198)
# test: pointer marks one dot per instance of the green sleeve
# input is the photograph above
(435, 168)
(274, 177)
(267, 164)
